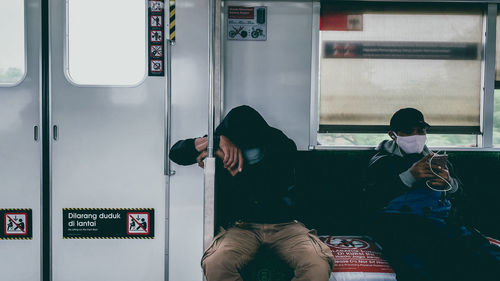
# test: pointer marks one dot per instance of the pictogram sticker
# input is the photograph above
(15, 223)
(156, 66)
(348, 243)
(138, 223)
(156, 6)
(157, 51)
(156, 21)
(156, 35)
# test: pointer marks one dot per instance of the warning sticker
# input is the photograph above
(138, 223)
(156, 66)
(157, 51)
(156, 36)
(16, 224)
(247, 23)
(156, 21)
(156, 6)
(356, 254)
(108, 223)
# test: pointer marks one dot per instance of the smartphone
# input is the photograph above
(439, 160)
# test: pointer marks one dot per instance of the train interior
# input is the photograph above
(93, 94)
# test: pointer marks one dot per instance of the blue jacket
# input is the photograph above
(397, 191)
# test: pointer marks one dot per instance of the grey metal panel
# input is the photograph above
(274, 76)
(190, 90)
(20, 156)
(488, 103)
(109, 154)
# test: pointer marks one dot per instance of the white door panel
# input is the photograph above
(20, 154)
(109, 153)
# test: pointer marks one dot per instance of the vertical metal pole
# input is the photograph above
(168, 101)
(170, 14)
(46, 143)
(489, 76)
(314, 116)
(214, 76)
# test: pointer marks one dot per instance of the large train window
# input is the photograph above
(379, 58)
(12, 46)
(106, 42)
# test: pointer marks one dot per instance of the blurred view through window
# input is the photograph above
(12, 49)
(377, 60)
(106, 42)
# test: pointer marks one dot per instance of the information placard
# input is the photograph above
(247, 23)
(108, 223)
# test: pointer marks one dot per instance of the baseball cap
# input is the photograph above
(406, 119)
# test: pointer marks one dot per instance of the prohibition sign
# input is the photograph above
(139, 225)
(16, 226)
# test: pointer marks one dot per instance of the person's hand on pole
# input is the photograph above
(201, 144)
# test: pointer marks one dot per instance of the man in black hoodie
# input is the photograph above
(417, 226)
(255, 176)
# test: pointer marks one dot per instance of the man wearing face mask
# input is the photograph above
(255, 178)
(417, 226)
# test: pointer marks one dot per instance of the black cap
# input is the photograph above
(406, 119)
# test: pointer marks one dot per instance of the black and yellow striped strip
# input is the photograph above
(171, 24)
(16, 238)
(105, 238)
(108, 209)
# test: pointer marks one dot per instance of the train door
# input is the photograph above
(107, 139)
(20, 145)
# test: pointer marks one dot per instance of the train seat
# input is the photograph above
(331, 186)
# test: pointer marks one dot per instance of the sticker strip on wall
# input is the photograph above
(108, 223)
(156, 33)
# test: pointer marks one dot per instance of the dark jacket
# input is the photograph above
(263, 191)
(394, 190)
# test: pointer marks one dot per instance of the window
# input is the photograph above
(378, 59)
(12, 48)
(106, 42)
(357, 139)
(496, 120)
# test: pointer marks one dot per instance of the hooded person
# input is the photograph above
(416, 223)
(255, 180)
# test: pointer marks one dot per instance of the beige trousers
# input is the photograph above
(298, 246)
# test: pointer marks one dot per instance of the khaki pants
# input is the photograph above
(231, 250)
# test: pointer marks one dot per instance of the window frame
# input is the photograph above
(25, 50)
(67, 74)
(484, 137)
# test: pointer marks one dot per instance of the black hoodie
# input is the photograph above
(262, 192)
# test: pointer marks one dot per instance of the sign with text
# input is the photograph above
(356, 254)
(247, 23)
(108, 223)
(16, 224)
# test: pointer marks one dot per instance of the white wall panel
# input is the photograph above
(274, 76)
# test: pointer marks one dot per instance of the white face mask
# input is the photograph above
(411, 144)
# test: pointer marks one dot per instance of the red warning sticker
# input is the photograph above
(15, 223)
(138, 223)
(356, 254)
(156, 66)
